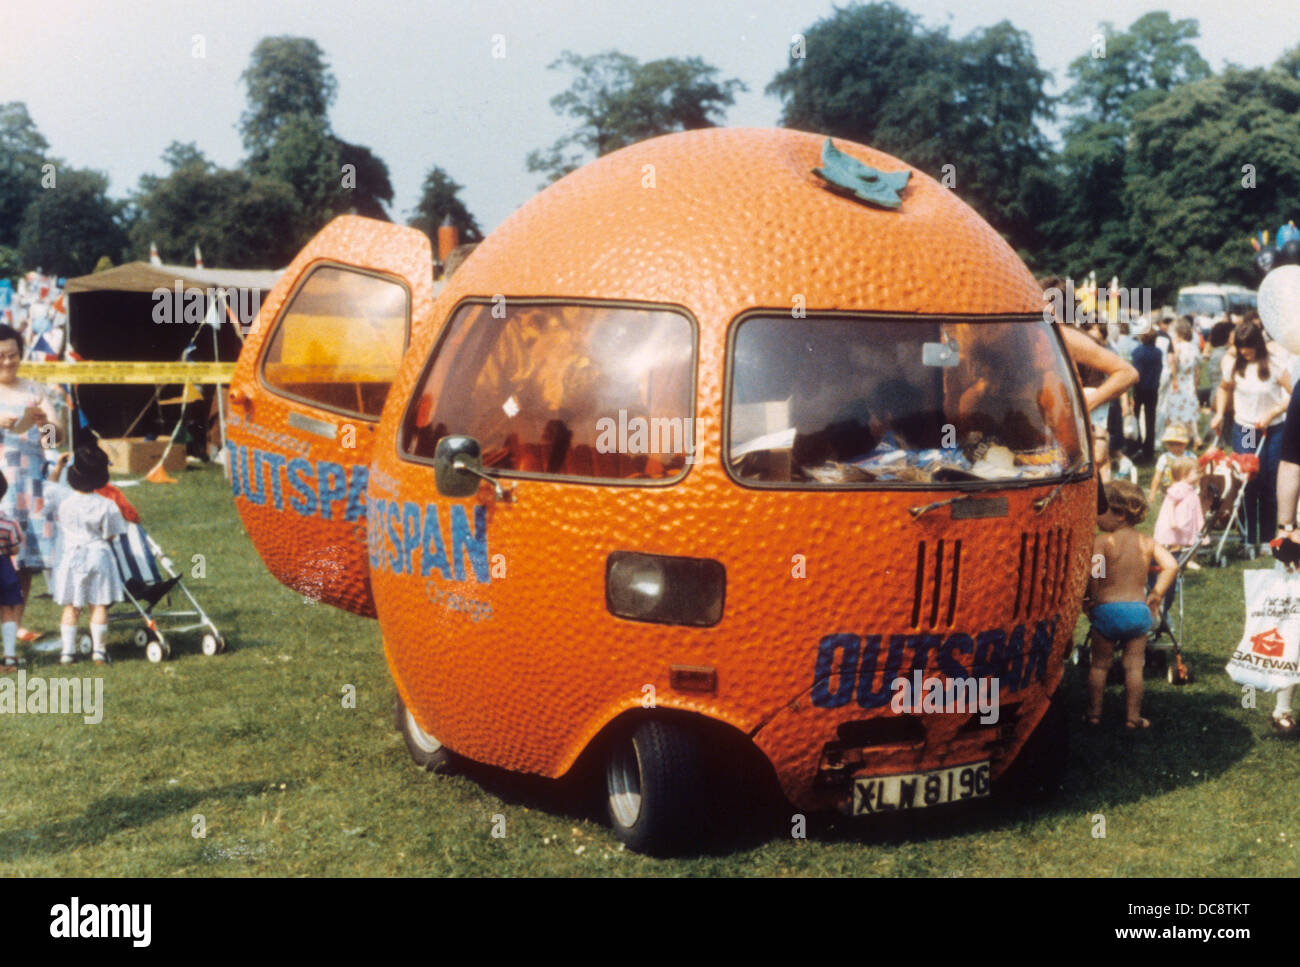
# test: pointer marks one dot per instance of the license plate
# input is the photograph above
(920, 790)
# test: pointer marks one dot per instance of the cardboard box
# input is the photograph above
(136, 455)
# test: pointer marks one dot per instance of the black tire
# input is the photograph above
(426, 751)
(654, 780)
(1039, 769)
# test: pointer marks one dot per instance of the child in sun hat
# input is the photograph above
(86, 574)
(1176, 440)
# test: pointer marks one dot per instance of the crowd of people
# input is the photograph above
(59, 527)
(1250, 379)
(1150, 392)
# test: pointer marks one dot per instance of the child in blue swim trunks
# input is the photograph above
(1122, 611)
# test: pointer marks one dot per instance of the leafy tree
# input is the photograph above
(177, 156)
(1289, 62)
(22, 152)
(71, 224)
(288, 136)
(287, 78)
(305, 156)
(439, 197)
(1139, 66)
(873, 73)
(1091, 227)
(239, 219)
(1187, 187)
(618, 101)
(11, 266)
(373, 188)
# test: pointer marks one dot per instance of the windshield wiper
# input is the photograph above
(1042, 503)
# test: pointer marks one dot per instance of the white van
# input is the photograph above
(1208, 303)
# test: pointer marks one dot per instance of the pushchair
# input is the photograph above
(1224, 477)
(149, 579)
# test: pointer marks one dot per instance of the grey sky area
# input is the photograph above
(111, 84)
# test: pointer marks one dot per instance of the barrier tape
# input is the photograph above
(128, 372)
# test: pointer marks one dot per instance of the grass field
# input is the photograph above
(289, 782)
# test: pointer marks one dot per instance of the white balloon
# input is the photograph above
(1279, 306)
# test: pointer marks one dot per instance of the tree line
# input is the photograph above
(1149, 166)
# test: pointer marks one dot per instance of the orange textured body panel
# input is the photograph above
(315, 545)
(523, 667)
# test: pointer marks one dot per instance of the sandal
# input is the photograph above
(1284, 722)
(1137, 724)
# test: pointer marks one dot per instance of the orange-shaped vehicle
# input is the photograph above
(696, 446)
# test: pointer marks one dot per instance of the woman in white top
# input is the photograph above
(1259, 388)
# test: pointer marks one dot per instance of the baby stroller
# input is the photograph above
(138, 559)
(1169, 656)
(1223, 491)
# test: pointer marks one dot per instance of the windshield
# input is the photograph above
(592, 391)
(835, 401)
(1242, 301)
(1201, 304)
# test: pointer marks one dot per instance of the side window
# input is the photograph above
(602, 392)
(339, 341)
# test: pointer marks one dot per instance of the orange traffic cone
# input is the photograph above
(159, 475)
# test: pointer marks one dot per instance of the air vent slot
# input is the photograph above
(935, 590)
(1043, 567)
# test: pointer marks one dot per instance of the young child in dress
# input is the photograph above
(11, 591)
(1122, 611)
(86, 574)
(1176, 439)
(1181, 518)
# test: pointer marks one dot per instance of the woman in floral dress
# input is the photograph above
(29, 421)
(1182, 407)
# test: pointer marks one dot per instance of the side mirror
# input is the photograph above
(457, 466)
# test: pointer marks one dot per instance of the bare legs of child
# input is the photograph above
(1103, 652)
(98, 631)
(9, 615)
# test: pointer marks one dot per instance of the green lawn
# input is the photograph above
(289, 782)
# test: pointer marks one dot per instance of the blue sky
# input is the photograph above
(110, 84)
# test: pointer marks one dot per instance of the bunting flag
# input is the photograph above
(42, 351)
(190, 394)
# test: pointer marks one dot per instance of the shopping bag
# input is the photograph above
(1268, 656)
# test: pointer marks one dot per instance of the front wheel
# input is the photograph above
(427, 751)
(653, 780)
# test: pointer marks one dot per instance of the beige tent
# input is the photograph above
(111, 317)
(146, 277)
